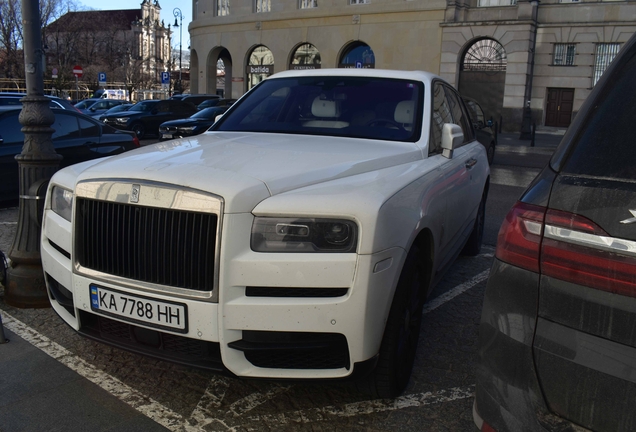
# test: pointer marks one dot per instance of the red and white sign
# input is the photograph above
(77, 71)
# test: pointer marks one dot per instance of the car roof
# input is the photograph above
(363, 72)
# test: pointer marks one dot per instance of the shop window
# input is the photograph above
(306, 56)
(358, 55)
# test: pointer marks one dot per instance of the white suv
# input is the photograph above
(298, 238)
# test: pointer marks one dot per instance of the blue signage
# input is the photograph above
(358, 65)
(165, 77)
(101, 77)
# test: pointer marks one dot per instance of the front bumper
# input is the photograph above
(224, 335)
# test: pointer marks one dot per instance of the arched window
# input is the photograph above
(261, 65)
(484, 55)
(306, 56)
(357, 55)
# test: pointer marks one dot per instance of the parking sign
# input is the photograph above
(165, 77)
(101, 77)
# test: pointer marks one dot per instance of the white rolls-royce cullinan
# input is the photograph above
(297, 239)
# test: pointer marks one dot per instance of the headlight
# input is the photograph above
(303, 235)
(62, 202)
(121, 120)
(186, 129)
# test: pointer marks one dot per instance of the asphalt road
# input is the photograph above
(164, 395)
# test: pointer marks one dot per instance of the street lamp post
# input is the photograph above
(179, 16)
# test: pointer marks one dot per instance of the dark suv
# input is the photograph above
(557, 338)
(144, 117)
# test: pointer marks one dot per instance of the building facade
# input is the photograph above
(517, 57)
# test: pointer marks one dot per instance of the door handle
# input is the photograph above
(471, 163)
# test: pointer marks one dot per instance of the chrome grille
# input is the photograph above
(162, 246)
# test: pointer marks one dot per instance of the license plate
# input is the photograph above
(166, 136)
(144, 310)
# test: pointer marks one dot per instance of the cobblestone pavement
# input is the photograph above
(438, 398)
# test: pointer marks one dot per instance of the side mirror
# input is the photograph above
(452, 137)
(489, 123)
(216, 119)
(91, 109)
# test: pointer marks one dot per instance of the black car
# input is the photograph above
(199, 98)
(144, 117)
(77, 138)
(557, 337)
(8, 100)
(484, 129)
(101, 106)
(216, 103)
(116, 109)
(194, 125)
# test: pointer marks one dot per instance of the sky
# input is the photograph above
(167, 15)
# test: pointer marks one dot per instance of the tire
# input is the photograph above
(473, 245)
(139, 130)
(490, 151)
(402, 331)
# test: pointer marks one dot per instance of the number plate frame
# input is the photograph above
(119, 296)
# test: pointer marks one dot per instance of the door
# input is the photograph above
(559, 107)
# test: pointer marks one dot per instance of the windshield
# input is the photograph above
(85, 104)
(362, 107)
(144, 106)
(208, 113)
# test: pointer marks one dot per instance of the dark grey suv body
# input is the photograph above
(557, 341)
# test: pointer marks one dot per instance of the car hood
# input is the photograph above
(187, 122)
(245, 168)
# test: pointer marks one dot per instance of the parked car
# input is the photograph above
(85, 104)
(198, 98)
(216, 103)
(297, 239)
(144, 117)
(101, 106)
(484, 128)
(11, 99)
(557, 346)
(193, 125)
(77, 138)
(116, 109)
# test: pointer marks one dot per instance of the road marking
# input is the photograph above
(520, 177)
(367, 407)
(142, 403)
(254, 400)
(451, 294)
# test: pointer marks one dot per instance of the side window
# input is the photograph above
(460, 116)
(65, 126)
(441, 115)
(163, 107)
(88, 128)
(11, 130)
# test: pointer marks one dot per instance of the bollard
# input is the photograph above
(534, 129)
(3, 340)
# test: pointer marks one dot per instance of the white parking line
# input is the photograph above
(204, 413)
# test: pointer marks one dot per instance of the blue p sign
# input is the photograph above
(165, 77)
(101, 77)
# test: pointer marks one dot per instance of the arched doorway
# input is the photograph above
(305, 56)
(482, 75)
(260, 65)
(357, 55)
(219, 80)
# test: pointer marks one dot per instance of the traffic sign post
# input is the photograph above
(78, 72)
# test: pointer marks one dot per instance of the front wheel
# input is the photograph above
(402, 331)
(139, 130)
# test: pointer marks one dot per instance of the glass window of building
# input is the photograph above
(262, 6)
(308, 4)
(222, 7)
(605, 53)
(306, 56)
(358, 55)
(489, 3)
(563, 54)
(354, 2)
(261, 65)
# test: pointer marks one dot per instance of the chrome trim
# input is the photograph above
(152, 194)
(608, 244)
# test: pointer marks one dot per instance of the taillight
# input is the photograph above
(136, 141)
(519, 239)
(568, 247)
(575, 249)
